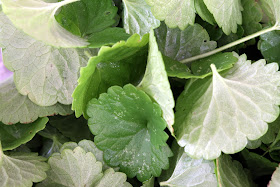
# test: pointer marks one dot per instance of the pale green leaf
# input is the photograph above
(175, 13)
(155, 82)
(16, 108)
(88, 146)
(75, 168)
(191, 172)
(46, 74)
(275, 179)
(230, 173)
(227, 13)
(21, 169)
(149, 183)
(36, 18)
(179, 45)
(219, 114)
(272, 9)
(138, 17)
(12, 136)
(135, 143)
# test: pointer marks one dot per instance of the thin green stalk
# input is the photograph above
(242, 40)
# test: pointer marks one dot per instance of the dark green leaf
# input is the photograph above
(128, 128)
(269, 45)
(71, 127)
(179, 45)
(257, 164)
(13, 136)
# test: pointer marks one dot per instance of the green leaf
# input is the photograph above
(108, 36)
(179, 45)
(191, 172)
(36, 18)
(155, 83)
(227, 13)
(200, 68)
(269, 46)
(101, 72)
(272, 9)
(135, 143)
(175, 13)
(275, 179)
(230, 173)
(203, 12)
(16, 108)
(71, 127)
(88, 146)
(219, 114)
(86, 17)
(12, 136)
(48, 77)
(149, 183)
(70, 168)
(258, 165)
(251, 17)
(138, 17)
(21, 169)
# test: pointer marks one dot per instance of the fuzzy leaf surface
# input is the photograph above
(227, 13)
(80, 168)
(191, 172)
(135, 143)
(219, 114)
(20, 169)
(46, 74)
(17, 108)
(36, 18)
(175, 13)
(138, 17)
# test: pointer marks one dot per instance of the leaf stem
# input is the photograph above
(242, 40)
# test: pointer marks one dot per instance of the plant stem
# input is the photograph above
(252, 36)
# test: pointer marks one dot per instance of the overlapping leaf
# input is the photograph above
(135, 143)
(272, 9)
(36, 18)
(46, 74)
(80, 168)
(155, 82)
(219, 114)
(227, 13)
(21, 169)
(16, 108)
(230, 173)
(175, 13)
(191, 172)
(275, 179)
(12, 136)
(138, 17)
(120, 64)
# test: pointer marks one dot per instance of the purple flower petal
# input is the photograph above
(4, 72)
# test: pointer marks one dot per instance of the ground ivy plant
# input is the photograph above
(175, 93)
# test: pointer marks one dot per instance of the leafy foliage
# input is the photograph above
(207, 109)
(122, 64)
(135, 143)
